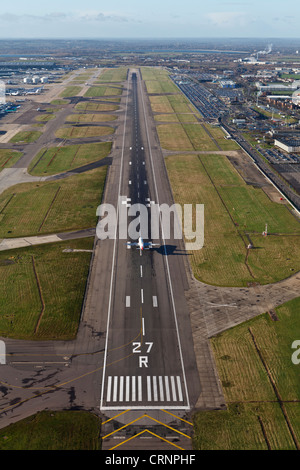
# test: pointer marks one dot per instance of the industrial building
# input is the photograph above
(289, 144)
(34, 80)
(227, 84)
(278, 87)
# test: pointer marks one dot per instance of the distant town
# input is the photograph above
(249, 88)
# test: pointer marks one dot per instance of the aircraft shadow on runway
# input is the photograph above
(167, 250)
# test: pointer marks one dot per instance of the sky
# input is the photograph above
(151, 19)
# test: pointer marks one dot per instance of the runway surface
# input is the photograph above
(149, 361)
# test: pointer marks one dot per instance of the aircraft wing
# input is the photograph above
(150, 244)
(132, 244)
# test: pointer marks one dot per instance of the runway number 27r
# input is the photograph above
(143, 360)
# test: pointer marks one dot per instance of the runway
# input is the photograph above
(149, 361)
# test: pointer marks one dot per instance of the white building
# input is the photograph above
(288, 144)
(296, 98)
(279, 87)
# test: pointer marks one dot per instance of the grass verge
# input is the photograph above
(70, 91)
(83, 131)
(260, 383)
(50, 287)
(94, 106)
(8, 158)
(59, 159)
(26, 137)
(52, 206)
(235, 215)
(53, 430)
(95, 91)
(90, 117)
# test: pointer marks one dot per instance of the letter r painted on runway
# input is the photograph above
(143, 361)
(2, 353)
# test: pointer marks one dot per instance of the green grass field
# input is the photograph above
(59, 102)
(52, 206)
(161, 104)
(53, 430)
(192, 137)
(81, 118)
(26, 137)
(172, 117)
(45, 117)
(50, 287)
(172, 104)
(94, 106)
(58, 159)
(8, 158)
(96, 91)
(233, 209)
(249, 358)
(83, 131)
(173, 137)
(70, 91)
(113, 75)
(161, 86)
(154, 73)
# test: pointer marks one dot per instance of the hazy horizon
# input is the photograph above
(67, 19)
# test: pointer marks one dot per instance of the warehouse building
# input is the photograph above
(278, 87)
(227, 84)
(289, 144)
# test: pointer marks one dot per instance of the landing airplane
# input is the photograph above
(141, 245)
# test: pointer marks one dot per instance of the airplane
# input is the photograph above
(141, 245)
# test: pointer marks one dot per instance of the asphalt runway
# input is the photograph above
(149, 361)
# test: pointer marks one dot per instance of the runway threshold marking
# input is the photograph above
(150, 432)
(157, 388)
(145, 415)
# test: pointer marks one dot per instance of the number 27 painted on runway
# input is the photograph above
(143, 360)
(137, 347)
